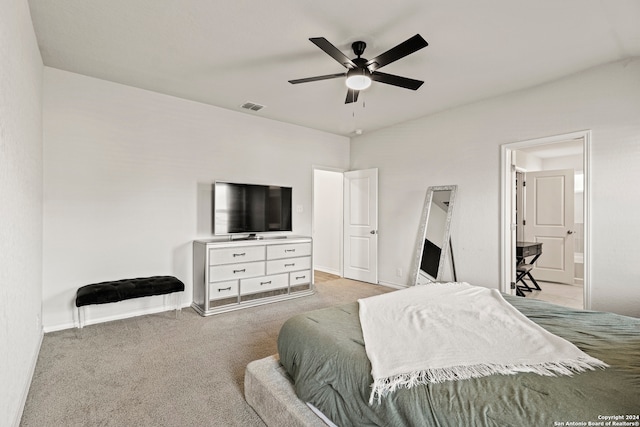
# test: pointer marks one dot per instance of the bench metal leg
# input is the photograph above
(80, 323)
(178, 302)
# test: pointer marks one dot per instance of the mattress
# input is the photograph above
(323, 352)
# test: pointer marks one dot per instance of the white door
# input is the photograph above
(361, 225)
(549, 220)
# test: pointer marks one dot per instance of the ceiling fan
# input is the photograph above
(361, 71)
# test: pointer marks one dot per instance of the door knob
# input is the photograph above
(569, 232)
(373, 232)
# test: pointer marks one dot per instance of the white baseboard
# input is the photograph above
(328, 270)
(121, 316)
(27, 386)
(392, 285)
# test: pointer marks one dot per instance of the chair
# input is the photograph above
(522, 271)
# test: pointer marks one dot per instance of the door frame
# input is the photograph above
(507, 226)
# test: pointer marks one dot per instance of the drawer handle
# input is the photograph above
(242, 254)
(289, 250)
(265, 283)
(290, 265)
(224, 289)
(300, 277)
(239, 271)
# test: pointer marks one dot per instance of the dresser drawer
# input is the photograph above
(235, 255)
(220, 290)
(236, 271)
(288, 251)
(288, 264)
(300, 277)
(262, 284)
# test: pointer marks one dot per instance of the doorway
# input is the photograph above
(543, 159)
(344, 223)
(327, 221)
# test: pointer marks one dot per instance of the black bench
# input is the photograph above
(120, 290)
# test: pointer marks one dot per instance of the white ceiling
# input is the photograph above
(225, 53)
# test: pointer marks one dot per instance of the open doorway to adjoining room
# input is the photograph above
(545, 219)
(327, 223)
(345, 223)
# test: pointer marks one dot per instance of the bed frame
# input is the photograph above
(270, 392)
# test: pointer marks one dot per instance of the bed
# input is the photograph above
(323, 354)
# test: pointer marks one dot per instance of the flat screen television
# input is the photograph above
(250, 208)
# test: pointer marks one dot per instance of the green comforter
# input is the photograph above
(324, 353)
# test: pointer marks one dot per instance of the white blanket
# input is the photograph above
(453, 331)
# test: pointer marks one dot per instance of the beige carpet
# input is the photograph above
(158, 371)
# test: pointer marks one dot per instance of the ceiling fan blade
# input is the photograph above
(405, 48)
(352, 96)
(394, 80)
(315, 79)
(333, 51)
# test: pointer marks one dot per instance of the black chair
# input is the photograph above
(524, 270)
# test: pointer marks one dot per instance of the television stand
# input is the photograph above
(235, 274)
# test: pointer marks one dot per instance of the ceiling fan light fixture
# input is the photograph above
(358, 79)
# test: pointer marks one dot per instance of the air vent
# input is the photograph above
(252, 106)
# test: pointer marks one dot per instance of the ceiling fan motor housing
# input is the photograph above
(358, 48)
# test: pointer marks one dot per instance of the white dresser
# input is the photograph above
(233, 274)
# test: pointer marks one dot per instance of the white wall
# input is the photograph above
(127, 180)
(462, 146)
(327, 220)
(574, 162)
(20, 207)
(527, 161)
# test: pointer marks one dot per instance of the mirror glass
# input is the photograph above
(433, 244)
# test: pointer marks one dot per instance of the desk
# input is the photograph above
(527, 249)
(523, 251)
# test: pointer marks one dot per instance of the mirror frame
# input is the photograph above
(422, 232)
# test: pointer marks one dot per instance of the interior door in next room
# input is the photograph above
(361, 225)
(549, 219)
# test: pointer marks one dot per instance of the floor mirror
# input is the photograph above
(433, 244)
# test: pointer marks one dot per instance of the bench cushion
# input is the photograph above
(119, 290)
